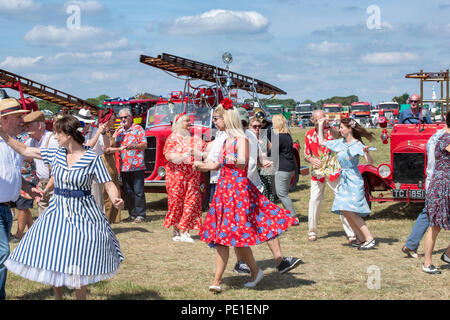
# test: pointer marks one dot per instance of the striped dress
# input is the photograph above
(71, 243)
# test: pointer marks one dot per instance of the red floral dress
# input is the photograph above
(240, 215)
(183, 185)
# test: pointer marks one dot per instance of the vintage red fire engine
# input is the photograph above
(198, 103)
(404, 177)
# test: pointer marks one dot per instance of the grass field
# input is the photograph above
(157, 268)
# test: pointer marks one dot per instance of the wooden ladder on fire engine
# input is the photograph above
(202, 71)
(41, 91)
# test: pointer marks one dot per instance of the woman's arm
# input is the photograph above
(320, 133)
(206, 166)
(367, 155)
(91, 143)
(114, 195)
(21, 148)
(243, 153)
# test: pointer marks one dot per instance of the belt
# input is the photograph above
(72, 193)
(7, 204)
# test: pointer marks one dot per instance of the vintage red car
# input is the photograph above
(403, 179)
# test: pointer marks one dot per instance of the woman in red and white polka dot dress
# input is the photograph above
(183, 184)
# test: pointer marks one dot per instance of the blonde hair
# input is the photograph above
(280, 124)
(232, 121)
(254, 119)
(177, 126)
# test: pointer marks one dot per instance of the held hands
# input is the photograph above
(316, 163)
(37, 194)
(267, 164)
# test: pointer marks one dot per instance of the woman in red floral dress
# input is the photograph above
(182, 182)
(239, 216)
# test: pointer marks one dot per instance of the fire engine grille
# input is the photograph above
(150, 154)
(409, 167)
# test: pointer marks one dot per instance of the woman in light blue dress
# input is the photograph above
(350, 199)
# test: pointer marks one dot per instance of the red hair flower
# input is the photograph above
(227, 104)
(179, 116)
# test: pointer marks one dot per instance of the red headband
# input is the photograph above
(180, 115)
(227, 104)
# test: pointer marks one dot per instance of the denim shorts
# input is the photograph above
(23, 203)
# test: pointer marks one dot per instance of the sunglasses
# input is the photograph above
(256, 127)
(414, 101)
(124, 117)
(215, 118)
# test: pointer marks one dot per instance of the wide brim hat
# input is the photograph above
(85, 116)
(10, 106)
(35, 116)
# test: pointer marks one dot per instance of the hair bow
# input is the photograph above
(353, 124)
(227, 104)
(179, 116)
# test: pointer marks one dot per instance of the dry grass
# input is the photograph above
(157, 268)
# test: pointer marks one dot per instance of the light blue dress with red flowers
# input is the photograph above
(240, 215)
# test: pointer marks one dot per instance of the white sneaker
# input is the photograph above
(186, 237)
(259, 277)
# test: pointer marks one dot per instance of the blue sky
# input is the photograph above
(310, 49)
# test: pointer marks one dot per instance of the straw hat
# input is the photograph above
(85, 116)
(36, 116)
(10, 106)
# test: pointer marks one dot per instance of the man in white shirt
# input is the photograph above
(40, 138)
(11, 181)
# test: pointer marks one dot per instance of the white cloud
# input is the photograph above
(85, 36)
(217, 22)
(287, 77)
(20, 62)
(18, 5)
(87, 6)
(101, 76)
(387, 58)
(328, 48)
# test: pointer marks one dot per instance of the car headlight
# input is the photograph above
(161, 172)
(384, 171)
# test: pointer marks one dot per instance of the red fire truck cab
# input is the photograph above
(360, 111)
(403, 179)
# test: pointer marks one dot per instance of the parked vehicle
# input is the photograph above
(389, 110)
(404, 177)
(360, 111)
(334, 111)
(304, 112)
(198, 102)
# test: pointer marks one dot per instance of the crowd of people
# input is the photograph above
(71, 175)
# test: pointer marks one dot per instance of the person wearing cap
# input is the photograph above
(40, 138)
(94, 139)
(11, 181)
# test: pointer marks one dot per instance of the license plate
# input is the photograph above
(413, 194)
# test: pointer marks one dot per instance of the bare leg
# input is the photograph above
(222, 254)
(361, 226)
(349, 216)
(275, 247)
(247, 255)
(24, 219)
(81, 293)
(59, 291)
(430, 240)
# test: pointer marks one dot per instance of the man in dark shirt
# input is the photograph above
(413, 114)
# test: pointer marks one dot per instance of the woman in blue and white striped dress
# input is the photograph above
(71, 243)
